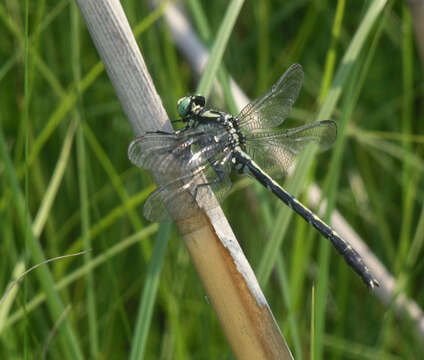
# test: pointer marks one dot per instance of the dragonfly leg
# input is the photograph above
(159, 132)
(220, 177)
(181, 130)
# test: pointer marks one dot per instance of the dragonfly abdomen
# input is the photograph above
(350, 255)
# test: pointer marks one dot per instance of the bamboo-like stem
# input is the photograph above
(222, 267)
(117, 47)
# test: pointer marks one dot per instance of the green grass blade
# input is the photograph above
(350, 57)
(25, 116)
(330, 61)
(287, 296)
(45, 208)
(218, 48)
(409, 176)
(205, 34)
(145, 312)
(8, 301)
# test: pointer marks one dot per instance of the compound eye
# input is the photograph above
(199, 100)
(183, 106)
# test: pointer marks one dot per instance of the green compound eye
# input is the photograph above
(183, 106)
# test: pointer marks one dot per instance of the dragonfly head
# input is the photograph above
(190, 105)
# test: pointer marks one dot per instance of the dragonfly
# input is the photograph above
(201, 156)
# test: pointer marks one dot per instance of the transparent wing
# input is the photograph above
(276, 150)
(184, 163)
(272, 108)
(166, 202)
(177, 153)
(181, 197)
(145, 150)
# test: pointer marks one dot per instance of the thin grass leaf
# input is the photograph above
(147, 300)
(220, 43)
(8, 299)
(350, 57)
(46, 204)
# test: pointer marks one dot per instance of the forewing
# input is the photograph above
(276, 150)
(147, 150)
(175, 154)
(273, 107)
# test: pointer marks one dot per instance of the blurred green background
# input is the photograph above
(67, 185)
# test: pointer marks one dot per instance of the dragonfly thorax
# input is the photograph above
(224, 120)
(192, 111)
